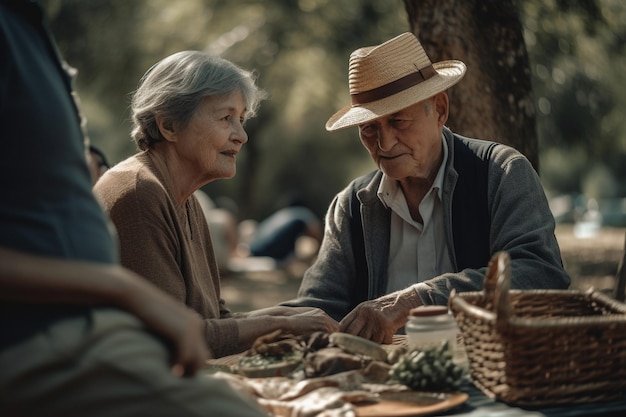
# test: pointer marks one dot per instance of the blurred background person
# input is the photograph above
(277, 235)
(290, 234)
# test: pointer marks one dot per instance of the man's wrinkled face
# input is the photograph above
(407, 143)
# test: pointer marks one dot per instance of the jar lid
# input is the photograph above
(427, 311)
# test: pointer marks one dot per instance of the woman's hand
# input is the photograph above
(302, 320)
(312, 320)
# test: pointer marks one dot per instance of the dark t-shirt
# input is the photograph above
(46, 204)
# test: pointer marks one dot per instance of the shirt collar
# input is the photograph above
(388, 189)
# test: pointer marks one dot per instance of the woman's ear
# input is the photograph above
(442, 107)
(166, 127)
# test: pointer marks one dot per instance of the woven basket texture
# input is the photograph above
(541, 347)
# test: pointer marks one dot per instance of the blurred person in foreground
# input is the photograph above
(188, 116)
(81, 335)
(434, 212)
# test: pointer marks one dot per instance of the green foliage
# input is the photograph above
(578, 61)
(300, 50)
(564, 169)
(429, 369)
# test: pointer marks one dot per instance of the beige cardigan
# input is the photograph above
(167, 244)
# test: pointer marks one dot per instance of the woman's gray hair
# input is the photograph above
(175, 86)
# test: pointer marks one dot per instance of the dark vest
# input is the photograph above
(471, 223)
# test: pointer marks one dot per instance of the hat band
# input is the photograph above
(393, 87)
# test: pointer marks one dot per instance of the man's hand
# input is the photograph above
(379, 319)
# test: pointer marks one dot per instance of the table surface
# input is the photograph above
(479, 405)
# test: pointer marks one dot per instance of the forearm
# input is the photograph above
(36, 279)
(278, 311)
(227, 336)
(399, 304)
(31, 278)
(437, 290)
(254, 327)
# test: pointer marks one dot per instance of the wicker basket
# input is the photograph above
(541, 347)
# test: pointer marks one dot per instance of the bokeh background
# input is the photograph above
(300, 49)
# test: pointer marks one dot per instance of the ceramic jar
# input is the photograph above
(428, 326)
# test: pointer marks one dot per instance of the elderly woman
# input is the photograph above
(188, 118)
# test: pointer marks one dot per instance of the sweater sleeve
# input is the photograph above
(521, 224)
(147, 229)
(222, 336)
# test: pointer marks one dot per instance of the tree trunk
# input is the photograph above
(494, 100)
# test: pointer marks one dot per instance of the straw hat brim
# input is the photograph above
(448, 74)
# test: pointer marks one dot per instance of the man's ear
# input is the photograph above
(166, 127)
(442, 107)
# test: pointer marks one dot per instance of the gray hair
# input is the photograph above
(175, 86)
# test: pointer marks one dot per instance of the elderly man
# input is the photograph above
(434, 212)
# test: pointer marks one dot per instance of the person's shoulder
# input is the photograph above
(364, 180)
(365, 186)
(129, 181)
(474, 144)
(497, 152)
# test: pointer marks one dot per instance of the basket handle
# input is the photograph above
(496, 288)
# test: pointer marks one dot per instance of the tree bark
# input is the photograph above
(494, 100)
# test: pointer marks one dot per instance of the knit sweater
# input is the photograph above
(166, 243)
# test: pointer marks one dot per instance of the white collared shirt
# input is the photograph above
(417, 251)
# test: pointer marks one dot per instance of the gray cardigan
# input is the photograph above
(521, 223)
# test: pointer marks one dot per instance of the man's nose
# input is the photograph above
(386, 139)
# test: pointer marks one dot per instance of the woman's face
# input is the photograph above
(209, 144)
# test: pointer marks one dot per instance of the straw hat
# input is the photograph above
(392, 76)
